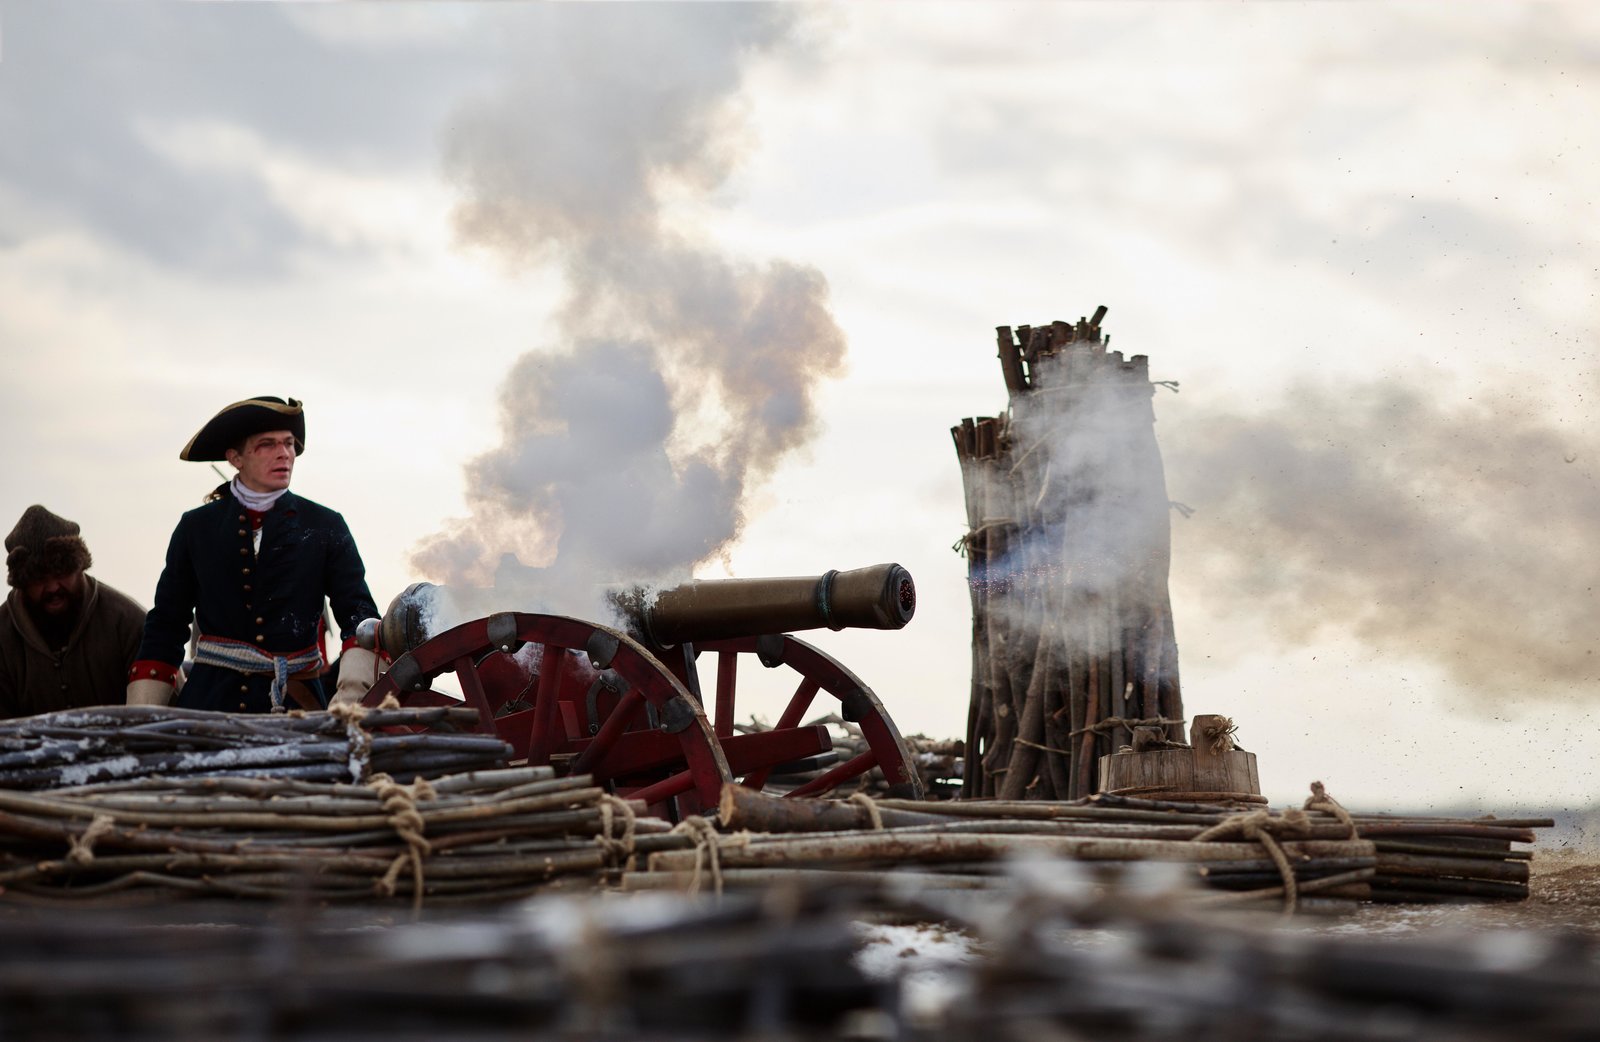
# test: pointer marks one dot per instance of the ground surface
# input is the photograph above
(1564, 895)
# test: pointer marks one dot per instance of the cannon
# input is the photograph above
(624, 703)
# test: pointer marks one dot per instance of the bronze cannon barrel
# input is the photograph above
(879, 597)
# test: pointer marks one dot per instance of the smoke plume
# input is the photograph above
(1457, 533)
(681, 376)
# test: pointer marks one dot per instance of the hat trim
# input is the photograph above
(292, 408)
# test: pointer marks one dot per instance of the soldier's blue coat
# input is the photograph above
(272, 599)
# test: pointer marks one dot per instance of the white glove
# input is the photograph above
(147, 692)
(358, 670)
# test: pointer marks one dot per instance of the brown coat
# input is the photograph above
(91, 670)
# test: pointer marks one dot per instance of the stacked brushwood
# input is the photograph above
(110, 743)
(1049, 961)
(568, 967)
(1156, 969)
(141, 802)
(1068, 547)
(475, 837)
(1297, 858)
(481, 836)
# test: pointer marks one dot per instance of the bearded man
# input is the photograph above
(66, 640)
(252, 569)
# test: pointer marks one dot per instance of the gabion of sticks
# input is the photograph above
(1068, 548)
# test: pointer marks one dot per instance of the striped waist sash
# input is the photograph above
(244, 657)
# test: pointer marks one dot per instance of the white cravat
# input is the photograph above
(261, 502)
(257, 501)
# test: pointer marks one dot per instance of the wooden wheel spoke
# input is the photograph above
(799, 702)
(676, 785)
(610, 732)
(542, 737)
(472, 689)
(851, 768)
(819, 673)
(791, 717)
(727, 678)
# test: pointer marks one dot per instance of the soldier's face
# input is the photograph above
(58, 596)
(267, 462)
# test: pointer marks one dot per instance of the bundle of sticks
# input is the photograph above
(109, 743)
(1294, 858)
(478, 836)
(1050, 961)
(1159, 970)
(567, 967)
(1068, 547)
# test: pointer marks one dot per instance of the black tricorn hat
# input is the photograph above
(238, 421)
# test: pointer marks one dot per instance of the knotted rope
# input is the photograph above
(706, 851)
(960, 545)
(1262, 827)
(874, 815)
(243, 657)
(358, 752)
(81, 851)
(399, 802)
(1320, 800)
(618, 849)
(1220, 735)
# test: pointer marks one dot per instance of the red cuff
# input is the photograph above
(153, 669)
(350, 642)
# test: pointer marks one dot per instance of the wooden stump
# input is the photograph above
(1209, 763)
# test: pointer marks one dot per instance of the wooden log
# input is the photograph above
(892, 847)
(1118, 680)
(1461, 868)
(832, 879)
(1044, 811)
(1010, 361)
(1150, 666)
(742, 809)
(1057, 734)
(1398, 846)
(1479, 830)
(1423, 889)
(1023, 765)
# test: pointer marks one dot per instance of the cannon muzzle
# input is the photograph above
(880, 597)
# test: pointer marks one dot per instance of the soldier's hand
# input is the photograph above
(358, 671)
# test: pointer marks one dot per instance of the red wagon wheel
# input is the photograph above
(819, 672)
(583, 697)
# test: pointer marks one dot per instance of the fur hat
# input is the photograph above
(238, 421)
(43, 545)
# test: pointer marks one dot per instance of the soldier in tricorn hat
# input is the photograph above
(252, 569)
(65, 639)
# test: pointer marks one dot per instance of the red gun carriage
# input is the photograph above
(625, 704)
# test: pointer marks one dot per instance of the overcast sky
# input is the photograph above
(527, 263)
